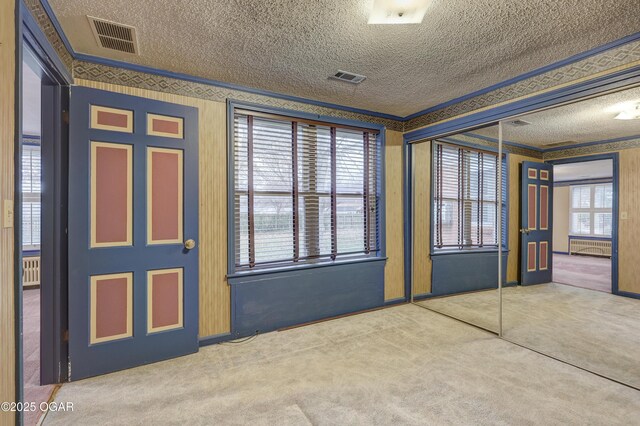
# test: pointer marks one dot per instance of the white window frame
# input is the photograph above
(32, 197)
(591, 210)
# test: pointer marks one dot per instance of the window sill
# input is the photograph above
(445, 252)
(591, 237)
(305, 266)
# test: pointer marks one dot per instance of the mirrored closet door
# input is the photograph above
(578, 234)
(455, 217)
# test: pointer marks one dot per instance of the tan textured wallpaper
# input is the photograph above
(7, 138)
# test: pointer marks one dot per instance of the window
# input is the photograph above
(304, 191)
(591, 212)
(465, 204)
(31, 184)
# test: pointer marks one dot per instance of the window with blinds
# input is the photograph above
(304, 191)
(465, 206)
(31, 188)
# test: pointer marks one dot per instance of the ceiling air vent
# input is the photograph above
(349, 77)
(112, 35)
(518, 123)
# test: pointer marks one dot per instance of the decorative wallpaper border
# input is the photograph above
(141, 80)
(603, 63)
(97, 72)
(574, 151)
(44, 22)
(511, 149)
(600, 148)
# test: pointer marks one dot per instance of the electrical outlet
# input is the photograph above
(624, 215)
(7, 214)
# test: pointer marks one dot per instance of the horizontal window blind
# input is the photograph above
(31, 189)
(31, 225)
(303, 190)
(465, 197)
(31, 171)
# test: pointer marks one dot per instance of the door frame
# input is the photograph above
(34, 49)
(614, 156)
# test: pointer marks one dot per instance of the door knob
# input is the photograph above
(189, 244)
(525, 231)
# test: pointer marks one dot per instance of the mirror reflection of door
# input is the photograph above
(535, 223)
(586, 312)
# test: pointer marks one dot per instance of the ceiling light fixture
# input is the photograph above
(398, 11)
(349, 77)
(632, 112)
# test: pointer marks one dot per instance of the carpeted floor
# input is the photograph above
(478, 307)
(400, 365)
(590, 272)
(33, 392)
(594, 330)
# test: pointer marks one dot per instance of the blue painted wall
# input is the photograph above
(463, 272)
(268, 302)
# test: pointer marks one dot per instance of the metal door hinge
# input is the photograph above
(69, 370)
(65, 336)
(65, 116)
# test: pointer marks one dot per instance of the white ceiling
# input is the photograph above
(585, 170)
(292, 46)
(587, 121)
(30, 102)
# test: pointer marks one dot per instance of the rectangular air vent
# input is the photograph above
(349, 77)
(518, 123)
(111, 35)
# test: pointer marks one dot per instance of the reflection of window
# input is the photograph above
(591, 212)
(303, 191)
(465, 197)
(31, 182)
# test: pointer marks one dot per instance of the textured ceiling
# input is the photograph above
(291, 46)
(586, 121)
(30, 102)
(585, 170)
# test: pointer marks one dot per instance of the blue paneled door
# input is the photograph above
(535, 223)
(133, 227)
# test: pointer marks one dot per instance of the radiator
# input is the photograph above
(590, 247)
(30, 271)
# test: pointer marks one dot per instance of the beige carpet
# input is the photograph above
(401, 365)
(592, 329)
(478, 308)
(590, 272)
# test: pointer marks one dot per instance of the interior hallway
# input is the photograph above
(33, 392)
(400, 365)
(589, 272)
(594, 330)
